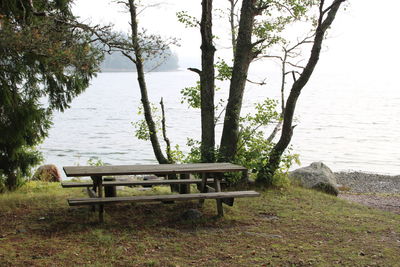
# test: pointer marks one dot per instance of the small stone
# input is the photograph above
(150, 178)
(21, 230)
(268, 216)
(192, 214)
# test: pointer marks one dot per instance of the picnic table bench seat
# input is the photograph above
(155, 198)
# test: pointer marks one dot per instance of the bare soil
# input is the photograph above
(382, 202)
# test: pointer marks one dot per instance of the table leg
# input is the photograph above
(245, 177)
(184, 188)
(98, 182)
(220, 209)
(203, 187)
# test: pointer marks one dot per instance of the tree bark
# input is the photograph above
(243, 57)
(267, 172)
(207, 83)
(143, 88)
(232, 24)
(11, 181)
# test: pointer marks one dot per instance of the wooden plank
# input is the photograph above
(203, 187)
(132, 183)
(92, 194)
(226, 201)
(184, 188)
(217, 187)
(152, 198)
(151, 169)
(97, 182)
(76, 184)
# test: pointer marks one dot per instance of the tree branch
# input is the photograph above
(195, 70)
(258, 83)
(164, 132)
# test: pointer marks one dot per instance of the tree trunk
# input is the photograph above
(143, 88)
(207, 84)
(243, 56)
(11, 181)
(267, 172)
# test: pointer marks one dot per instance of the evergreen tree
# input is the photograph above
(46, 59)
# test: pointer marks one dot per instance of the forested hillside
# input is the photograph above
(116, 62)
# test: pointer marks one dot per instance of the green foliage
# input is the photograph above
(142, 132)
(270, 26)
(191, 95)
(254, 147)
(268, 33)
(187, 20)
(224, 71)
(95, 162)
(194, 155)
(141, 129)
(265, 114)
(42, 57)
(177, 155)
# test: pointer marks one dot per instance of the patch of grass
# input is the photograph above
(291, 227)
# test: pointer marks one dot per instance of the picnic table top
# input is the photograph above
(151, 169)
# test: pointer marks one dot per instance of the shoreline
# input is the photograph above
(368, 189)
(388, 174)
(365, 182)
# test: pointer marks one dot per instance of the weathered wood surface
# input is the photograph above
(152, 198)
(98, 182)
(217, 186)
(227, 201)
(132, 183)
(75, 171)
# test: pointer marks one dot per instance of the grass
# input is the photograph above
(292, 227)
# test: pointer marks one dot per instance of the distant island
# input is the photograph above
(116, 62)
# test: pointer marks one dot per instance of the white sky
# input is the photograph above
(365, 37)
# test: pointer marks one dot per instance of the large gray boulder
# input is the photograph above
(317, 176)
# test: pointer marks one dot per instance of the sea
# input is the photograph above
(350, 125)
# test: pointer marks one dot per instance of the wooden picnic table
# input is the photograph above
(184, 170)
(76, 171)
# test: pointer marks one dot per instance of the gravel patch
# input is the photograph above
(372, 190)
(359, 182)
(387, 203)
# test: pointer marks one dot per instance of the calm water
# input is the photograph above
(348, 124)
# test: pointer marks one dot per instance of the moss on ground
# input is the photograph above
(292, 227)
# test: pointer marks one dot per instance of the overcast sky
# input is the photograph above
(365, 36)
